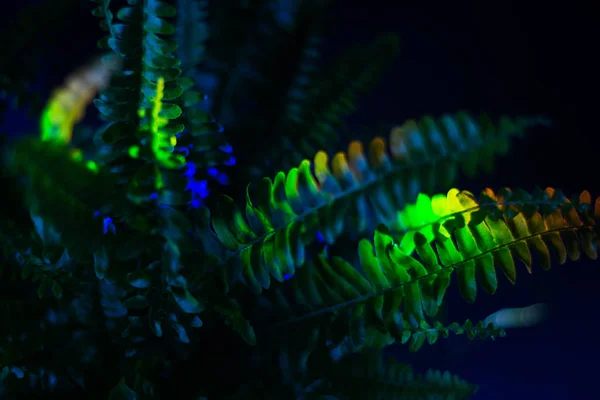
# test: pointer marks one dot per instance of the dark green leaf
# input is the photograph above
(100, 263)
(139, 279)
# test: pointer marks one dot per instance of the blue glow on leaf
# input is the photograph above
(223, 179)
(226, 148)
(198, 188)
(231, 161)
(212, 171)
(195, 203)
(51, 316)
(180, 330)
(184, 150)
(196, 322)
(320, 237)
(51, 379)
(109, 226)
(191, 169)
(17, 372)
(154, 196)
(287, 276)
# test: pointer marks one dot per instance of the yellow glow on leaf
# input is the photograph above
(67, 104)
(163, 143)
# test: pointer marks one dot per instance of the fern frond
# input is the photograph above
(47, 161)
(416, 337)
(362, 333)
(143, 35)
(145, 58)
(139, 33)
(67, 104)
(332, 95)
(397, 290)
(298, 95)
(369, 375)
(87, 193)
(192, 32)
(203, 139)
(360, 191)
(205, 145)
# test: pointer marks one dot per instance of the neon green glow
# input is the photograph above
(163, 144)
(92, 166)
(134, 151)
(159, 184)
(77, 155)
(418, 217)
(56, 123)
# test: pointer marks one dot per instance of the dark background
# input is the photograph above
(508, 57)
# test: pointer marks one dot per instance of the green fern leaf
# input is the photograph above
(393, 289)
(311, 125)
(285, 214)
(369, 375)
(192, 32)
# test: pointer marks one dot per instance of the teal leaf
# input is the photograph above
(139, 279)
(187, 302)
(160, 9)
(181, 332)
(137, 302)
(57, 290)
(158, 26)
(100, 263)
(44, 286)
(122, 392)
(231, 313)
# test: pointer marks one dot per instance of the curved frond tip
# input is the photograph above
(472, 237)
(355, 192)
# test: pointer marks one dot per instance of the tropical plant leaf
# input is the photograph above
(283, 217)
(396, 290)
(312, 125)
(370, 375)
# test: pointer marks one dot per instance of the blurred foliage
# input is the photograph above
(131, 271)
